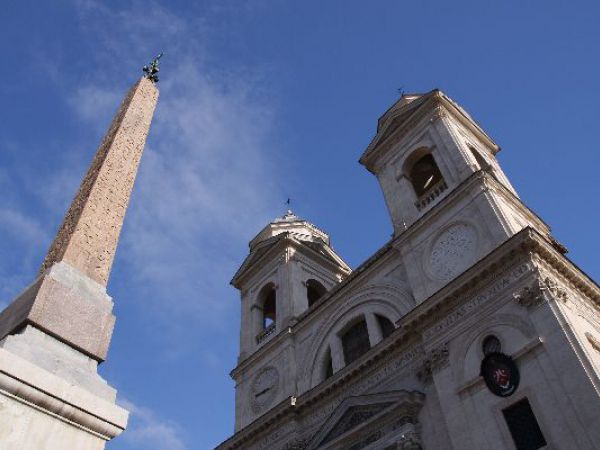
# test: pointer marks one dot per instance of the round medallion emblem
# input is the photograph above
(453, 251)
(500, 374)
(264, 388)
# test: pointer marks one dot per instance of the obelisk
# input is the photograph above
(54, 334)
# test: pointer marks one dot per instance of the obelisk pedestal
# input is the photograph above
(54, 335)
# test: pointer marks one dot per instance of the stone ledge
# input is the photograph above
(32, 385)
(60, 359)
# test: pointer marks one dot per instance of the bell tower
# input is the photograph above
(449, 200)
(425, 146)
(290, 267)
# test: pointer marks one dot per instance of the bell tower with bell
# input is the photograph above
(449, 200)
(291, 265)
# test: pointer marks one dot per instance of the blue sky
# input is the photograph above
(260, 101)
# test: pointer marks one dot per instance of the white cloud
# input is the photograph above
(22, 237)
(208, 178)
(203, 183)
(21, 227)
(92, 102)
(148, 431)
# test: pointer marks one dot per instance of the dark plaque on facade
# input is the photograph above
(500, 373)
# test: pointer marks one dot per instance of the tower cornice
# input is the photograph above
(526, 246)
(398, 122)
(275, 246)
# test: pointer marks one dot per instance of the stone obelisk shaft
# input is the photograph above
(88, 237)
(68, 300)
(57, 331)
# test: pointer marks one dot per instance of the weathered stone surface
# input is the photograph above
(447, 280)
(59, 358)
(40, 410)
(88, 236)
(54, 334)
(67, 305)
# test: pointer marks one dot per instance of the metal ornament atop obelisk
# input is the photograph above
(53, 335)
(88, 237)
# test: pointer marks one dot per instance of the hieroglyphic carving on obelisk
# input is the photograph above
(57, 331)
(88, 237)
(68, 299)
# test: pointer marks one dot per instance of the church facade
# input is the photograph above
(469, 329)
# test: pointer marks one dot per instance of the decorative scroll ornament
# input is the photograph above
(554, 289)
(152, 69)
(424, 374)
(532, 296)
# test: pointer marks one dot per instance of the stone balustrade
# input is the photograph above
(434, 192)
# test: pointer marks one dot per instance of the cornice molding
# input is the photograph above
(26, 383)
(280, 249)
(525, 245)
(437, 106)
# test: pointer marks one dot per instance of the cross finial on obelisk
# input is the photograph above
(151, 70)
(87, 239)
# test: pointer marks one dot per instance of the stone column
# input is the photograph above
(375, 334)
(54, 335)
(337, 353)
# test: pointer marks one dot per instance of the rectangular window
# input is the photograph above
(523, 426)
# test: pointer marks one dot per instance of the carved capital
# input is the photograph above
(534, 295)
(530, 296)
(424, 373)
(435, 360)
(555, 289)
(439, 357)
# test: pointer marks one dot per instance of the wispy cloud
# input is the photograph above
(209, 177)
(146, 430)
(205, 180)
(92, 102)
(18, 225)
(22, 236)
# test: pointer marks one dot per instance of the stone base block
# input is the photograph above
(67, 305)
(42, 411)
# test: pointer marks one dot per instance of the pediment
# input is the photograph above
(395, 116)
(353, 417)
(361, 420)
(315, 246)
